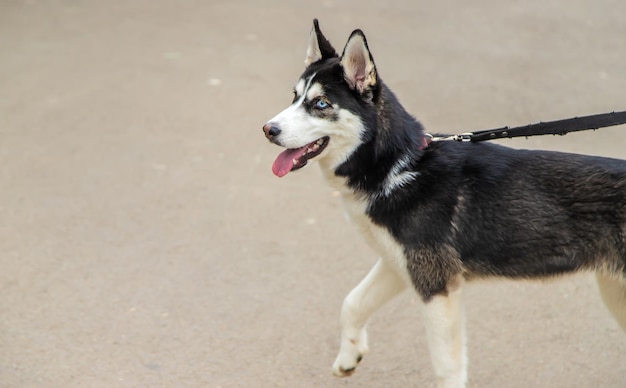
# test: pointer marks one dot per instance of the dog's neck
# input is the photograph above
(393, 142)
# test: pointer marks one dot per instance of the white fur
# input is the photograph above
(389, 277)
(444, 318)
(300, 86)
(294, 122)
(380, 285)
(385, 280)
(313, 52)
(443, 314)
(345, 137)
(298, 128)
(378, 238)
(359, 69)
(398, 176)
(445, 329)
(315, 90)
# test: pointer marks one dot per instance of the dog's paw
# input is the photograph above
(350, 355)
(345, 368)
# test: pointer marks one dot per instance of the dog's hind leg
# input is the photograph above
(445, 329)
(380, 285)
(613, 292)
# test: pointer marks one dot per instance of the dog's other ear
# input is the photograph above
(319, 47)
(358, 64)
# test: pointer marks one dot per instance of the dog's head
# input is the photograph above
(332, 100)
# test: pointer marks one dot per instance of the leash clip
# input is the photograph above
(464, 136)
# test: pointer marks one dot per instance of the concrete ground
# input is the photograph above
(144, 241)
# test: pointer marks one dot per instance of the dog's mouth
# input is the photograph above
(295, 158)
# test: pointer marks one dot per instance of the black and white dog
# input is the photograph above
(440, 213)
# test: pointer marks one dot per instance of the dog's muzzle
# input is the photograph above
(271, 131)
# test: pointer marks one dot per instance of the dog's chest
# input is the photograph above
(377, 237)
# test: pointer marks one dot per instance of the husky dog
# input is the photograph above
(440, 213)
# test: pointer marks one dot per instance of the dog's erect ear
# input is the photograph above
(319, 47)
(358, 64)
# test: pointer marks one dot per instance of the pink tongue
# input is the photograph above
(284, 162)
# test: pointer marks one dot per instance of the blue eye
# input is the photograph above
(321, 104)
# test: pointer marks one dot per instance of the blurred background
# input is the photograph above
(144, 241)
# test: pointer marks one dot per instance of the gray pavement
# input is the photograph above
(144, 241)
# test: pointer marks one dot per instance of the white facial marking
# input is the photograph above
(299, 128)
(314, 91)
(289, 117)
(302, 92)
(300, 87)
(345, 138)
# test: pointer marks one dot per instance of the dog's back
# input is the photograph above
(513, 213)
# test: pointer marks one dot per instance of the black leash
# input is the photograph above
(558, 127)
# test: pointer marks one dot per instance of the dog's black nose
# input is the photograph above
(271, 130)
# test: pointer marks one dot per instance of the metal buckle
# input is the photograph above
(460, 137)
(463, 136)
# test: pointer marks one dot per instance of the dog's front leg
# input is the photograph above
(445, 329)
(380, 285)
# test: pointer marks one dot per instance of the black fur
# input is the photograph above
(495, 211)
(449, 210)
(326, 49)
(480, 209)
(486, 210)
